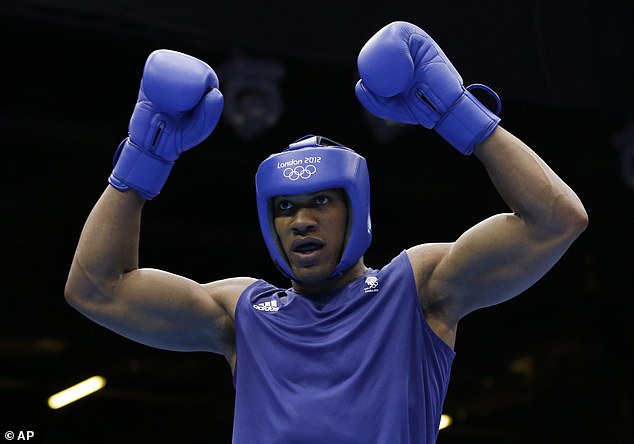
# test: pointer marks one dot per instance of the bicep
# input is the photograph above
(162, 310)
(492, 262)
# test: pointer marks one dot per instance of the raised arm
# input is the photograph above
(507, 253)
(178, 107)
(405, 76)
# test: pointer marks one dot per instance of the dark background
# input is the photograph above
(553, 365)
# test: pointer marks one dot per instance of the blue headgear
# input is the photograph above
(311, 164)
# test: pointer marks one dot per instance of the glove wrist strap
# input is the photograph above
(138, 169)
(468, 122)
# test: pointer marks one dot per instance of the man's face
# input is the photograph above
(311, 229)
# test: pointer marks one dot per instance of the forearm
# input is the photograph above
(529, 186)
(108, 245)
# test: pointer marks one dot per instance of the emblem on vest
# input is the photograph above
(267, 306)
(371, 284)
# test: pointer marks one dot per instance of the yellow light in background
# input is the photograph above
(77, 391)
(445, 421)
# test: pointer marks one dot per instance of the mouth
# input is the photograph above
(306, 247)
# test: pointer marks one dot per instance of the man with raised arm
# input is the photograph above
(353, 354)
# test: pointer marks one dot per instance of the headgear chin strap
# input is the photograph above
(311, 164)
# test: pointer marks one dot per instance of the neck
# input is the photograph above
(352, 273)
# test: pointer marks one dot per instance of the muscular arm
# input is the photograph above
(405, 76)
(178, 106)
(146, 305)
(507, 253)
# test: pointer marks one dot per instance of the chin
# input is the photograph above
(313, 275)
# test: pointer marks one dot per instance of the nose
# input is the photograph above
(304, 221)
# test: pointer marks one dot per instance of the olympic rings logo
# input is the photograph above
(300, 172)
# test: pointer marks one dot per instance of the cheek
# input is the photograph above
(278, 226)
(281, 230)
(340, 226)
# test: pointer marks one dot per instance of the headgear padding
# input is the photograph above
(309, 165)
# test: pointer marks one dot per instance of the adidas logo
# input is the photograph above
(267, 306)
(371, 284)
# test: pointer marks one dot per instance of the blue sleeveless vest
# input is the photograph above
(356, 365)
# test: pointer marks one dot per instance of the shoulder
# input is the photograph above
(226, 292)
(425, 259)
(434, 295)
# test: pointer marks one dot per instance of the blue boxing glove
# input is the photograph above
(406, 77)
(178, 107)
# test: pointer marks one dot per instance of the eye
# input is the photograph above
(321, 199)
(284, 205)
